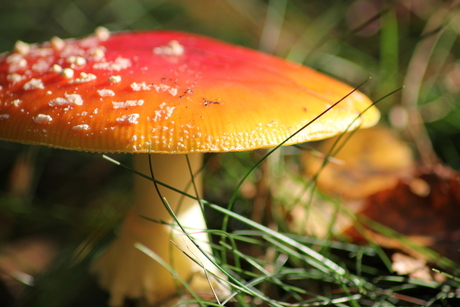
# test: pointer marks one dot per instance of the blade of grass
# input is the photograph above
(170, 269)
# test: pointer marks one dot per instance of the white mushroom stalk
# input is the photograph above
(126, 271)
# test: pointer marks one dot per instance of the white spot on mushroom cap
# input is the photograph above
(172, 91)
(132, 118)
(102, 33)
(158, 115)
(56, 68)
(33, 84)
(57, 43)
(105, 92)
(16, 62)
(96, 54)
(70, 99)
(14, 77)
(127, 103)
(58, 101)
(21, 47)
(42, 119)
(140, 86)
(16, 102)
(164, 113)
(74, 99)
(118, 64)
(84, 77)
(76, 60)
(42, 52)
(173, 48)
(81, 127)
(169, 111)
(114, 79)
(165, 88)
(14, 58)
(4, 116)
(41, 65)
(89, 41)
(72, 49)
(67, 73)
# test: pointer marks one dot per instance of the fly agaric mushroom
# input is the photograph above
(168, 94)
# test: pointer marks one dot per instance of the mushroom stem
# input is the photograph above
(127, 272)
(171, 170)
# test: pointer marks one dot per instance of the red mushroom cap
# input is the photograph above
(166, 92)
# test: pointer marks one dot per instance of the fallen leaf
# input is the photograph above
(428, 216)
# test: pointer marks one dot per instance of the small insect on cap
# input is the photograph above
(165, 92)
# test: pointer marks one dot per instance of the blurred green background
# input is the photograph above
(414, 44)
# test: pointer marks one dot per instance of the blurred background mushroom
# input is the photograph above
(360, 163)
